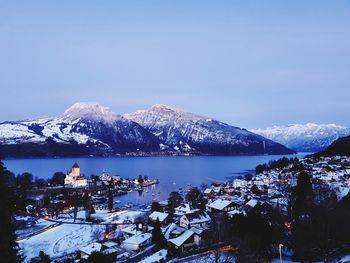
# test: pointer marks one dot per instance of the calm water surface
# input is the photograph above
(174, 172)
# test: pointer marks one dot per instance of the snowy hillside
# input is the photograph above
(186, 131)
(308, 137)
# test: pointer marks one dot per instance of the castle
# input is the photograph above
(74, 178)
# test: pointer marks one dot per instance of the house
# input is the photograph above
(199, 218)
(173, 230)
(74, 178)
(198, 234)
(184, 209)
(183, 242)
(133, 230)
(162, 217)
(105, 178)
(137, 242)
(250, 205)
(238, 183)
(221, 205)
(209, 193)
(111, 248)
(109, 244)
(86, 251)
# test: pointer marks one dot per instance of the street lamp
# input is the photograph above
(280, 249)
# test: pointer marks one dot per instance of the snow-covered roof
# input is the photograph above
(180, 240)
(208, 191)
(219, 204)
(185, 208)
(161, 216)
(156, 257)
(280, 200)
(198, 217)
(252, 203)
(93, 247)
(173, 228)
(138, 239)
(131, 230)
(110, 244)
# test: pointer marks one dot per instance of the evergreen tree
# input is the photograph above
(157, 235)
(110, 200)
(196, 198)
(302, 196)
(174, 200)
(155, 206)
(8, 246)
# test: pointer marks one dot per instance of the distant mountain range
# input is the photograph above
(308, 137)
(91, 129)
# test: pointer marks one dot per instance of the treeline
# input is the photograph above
(277, 164)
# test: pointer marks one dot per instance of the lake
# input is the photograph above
(174, 172)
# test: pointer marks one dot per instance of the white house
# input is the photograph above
(137, 242)
(184, 209)
(183, 242)
(173, 230)
(221, 205)
(158, 215)
(104, 177)
(198, 219)
(132, 230)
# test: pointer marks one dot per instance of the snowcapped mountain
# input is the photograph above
(308, 137)
(91, 129)
(83, 129)
(188, 132)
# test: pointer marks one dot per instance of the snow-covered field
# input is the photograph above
(61, 240)
(68, 238)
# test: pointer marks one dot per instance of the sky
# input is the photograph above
(248, 63)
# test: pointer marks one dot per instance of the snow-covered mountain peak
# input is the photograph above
(160, 112)
(91, 110)
(164, 107)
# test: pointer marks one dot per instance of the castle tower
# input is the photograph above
(75, 170)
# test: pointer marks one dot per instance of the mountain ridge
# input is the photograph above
(340, 146)
(91, 129)
(309, 137)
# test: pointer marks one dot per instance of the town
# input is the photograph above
(259, 215)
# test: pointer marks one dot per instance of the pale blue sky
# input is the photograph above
(248, 63)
